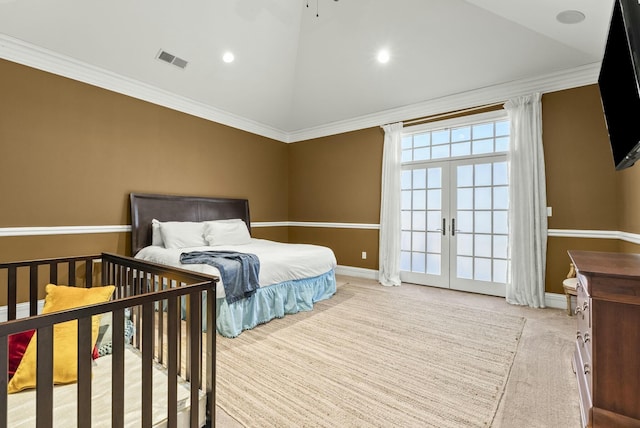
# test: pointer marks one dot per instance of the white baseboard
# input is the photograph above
(357, 272)
(555, 300)
(22, 310)
(552, 300)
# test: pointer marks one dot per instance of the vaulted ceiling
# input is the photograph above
(300, 68)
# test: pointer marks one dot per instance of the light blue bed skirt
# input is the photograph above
(273, 301)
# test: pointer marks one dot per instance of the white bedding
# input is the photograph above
(279, 262)
(22, 405)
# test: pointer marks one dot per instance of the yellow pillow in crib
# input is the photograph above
(65, 335)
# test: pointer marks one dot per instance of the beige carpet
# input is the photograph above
(339, 365)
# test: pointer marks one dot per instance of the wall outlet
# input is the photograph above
(549, 212)
(364, 255)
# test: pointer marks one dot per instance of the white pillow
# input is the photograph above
(181, 234)
(226, 232)
(156, 236)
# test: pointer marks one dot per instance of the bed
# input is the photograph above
(156, 369)
(292, 277)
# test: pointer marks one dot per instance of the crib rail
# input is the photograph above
(142, 289)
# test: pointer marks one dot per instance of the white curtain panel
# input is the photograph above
(527, 203)
(389, 269)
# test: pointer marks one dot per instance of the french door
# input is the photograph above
(454, 224)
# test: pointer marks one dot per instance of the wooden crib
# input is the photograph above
(166, 345)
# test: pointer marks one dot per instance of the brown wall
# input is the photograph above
(583, 188)
(72, 153)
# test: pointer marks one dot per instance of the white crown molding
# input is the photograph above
(565, 79)
(43, 59)
(24, 53)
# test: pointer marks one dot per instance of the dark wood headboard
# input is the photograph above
(146, 207)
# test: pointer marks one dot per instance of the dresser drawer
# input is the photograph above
(584, 387)
(584, 335)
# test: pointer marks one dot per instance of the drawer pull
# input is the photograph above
(586, 337)
(585, 306)
(578, 336)
(587, 369)
(578, 311)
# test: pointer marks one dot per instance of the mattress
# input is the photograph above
(279, 262)
(22, 405)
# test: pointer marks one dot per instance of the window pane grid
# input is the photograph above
(482, 253)
(478, 139)
(421, 217)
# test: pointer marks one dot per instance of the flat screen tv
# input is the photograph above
(618, 82)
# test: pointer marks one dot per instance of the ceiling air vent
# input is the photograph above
(171, 59)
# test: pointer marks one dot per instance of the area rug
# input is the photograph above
(369, 357)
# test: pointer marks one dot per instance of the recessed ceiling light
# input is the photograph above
(383, 56)
(570, 17)
(228, 57)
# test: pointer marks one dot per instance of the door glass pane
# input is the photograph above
(500, 173)
(434, 178)
(434, 220)
(482, 269)
(434, 242)
(417, 262)
(482, 222)
(405, 261)
(465, 199)
(465, 176)
(464, 267)
(419, 202)
(483, 198)
(405, 241)
(483, 174)
(502, 144)
(501, 198)
(405, 220)
(482, 246)
(419, 218)
(406, 180)
(500, 246)
(500, 222)
(500, 271)
(419, 179)
(465, 244)
(434, 199)
(433, 264)
(464, 221)
(418, 243)
(406, 200)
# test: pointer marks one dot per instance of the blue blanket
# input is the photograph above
(239, 271)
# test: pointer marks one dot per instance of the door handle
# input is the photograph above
(444, 227)
(453, 227)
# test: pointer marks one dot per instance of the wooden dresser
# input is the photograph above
(607, 356)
